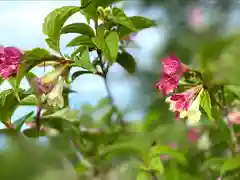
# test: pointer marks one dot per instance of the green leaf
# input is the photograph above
(112, 41)
(143, 175)
(80, 41)
(9, 103)
(53, 23)
(30, 60)
(230, 164)
(214, 163)
(104, 102)
(79, 73)
(205, 103)
(127, 61)
(139, 23)
(30, 100)
(81, 28)
(90, 7)
(159, 150)
(106, 118)
(32, 132)
(156, 164)
(119, 17)
(84, 61)
(19, 122)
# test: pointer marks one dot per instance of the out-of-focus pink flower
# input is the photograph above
(9, 61)
(33, 125)
(220, 178)
(196, 18)
(234, 117)
(173, 70)
(193, 135)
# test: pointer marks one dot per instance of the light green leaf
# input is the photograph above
(104, 102)
(230, 164)
(53, 23)
(127, 61)
(205, 103)
(139, 23)
(159, 150)
(80, 41)
(30, 100)
(84, 61)
(119, 17)
(106, 118)
(112, 41)
(80, 28)
(143, 175)
(156, 164)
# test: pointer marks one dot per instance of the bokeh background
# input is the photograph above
(183, 26)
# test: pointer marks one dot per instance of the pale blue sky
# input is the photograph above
(21, 23)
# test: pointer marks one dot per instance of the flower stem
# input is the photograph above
(39, 110)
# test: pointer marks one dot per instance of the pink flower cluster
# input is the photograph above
(9, 61)
(173, 69)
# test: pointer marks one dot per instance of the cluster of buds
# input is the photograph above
(10, 58)
(184, 104)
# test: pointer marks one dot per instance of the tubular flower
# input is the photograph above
(55, 98)
(173, 70)
(186, 104)
(9, 61)
(42, 88)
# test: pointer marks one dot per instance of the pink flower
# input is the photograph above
(193, 135)
(234, 117)
(9, 61)
(168, 83)
(186, 104)
(220, 178)
(173, 69)
(43, 88)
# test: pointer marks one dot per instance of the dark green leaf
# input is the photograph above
(79, 73)
(80, 41)
(80, 28)
(19, 122)
(205, 103)
(214, 163)
(84, 61)
(127, 61)
(54, 22)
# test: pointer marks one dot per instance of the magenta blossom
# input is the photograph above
(9, 61)
(173, 70)
(168, 83)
